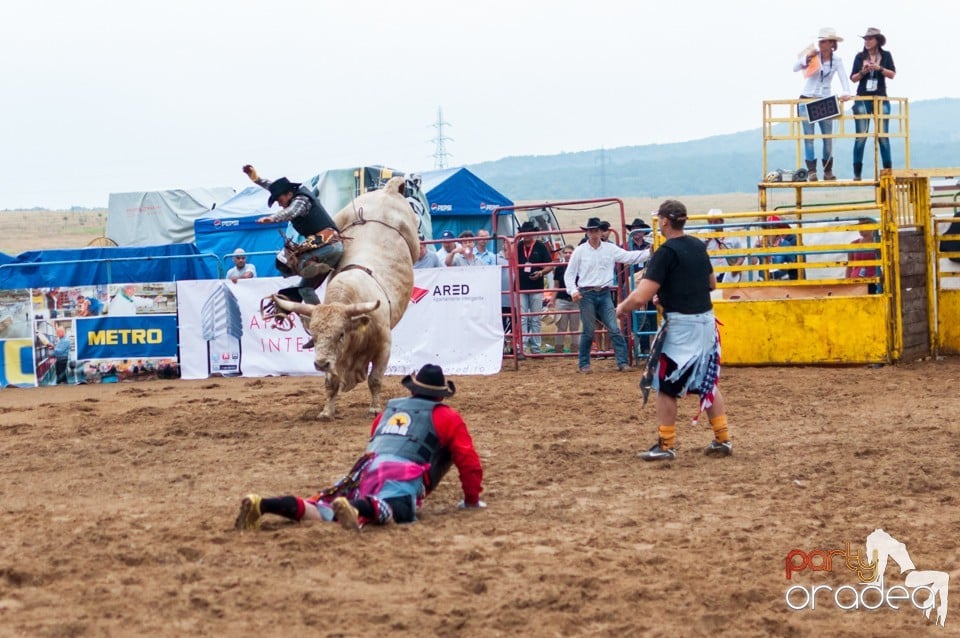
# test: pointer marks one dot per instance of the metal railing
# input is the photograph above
(782, 122)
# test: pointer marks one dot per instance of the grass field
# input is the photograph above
(34, 230)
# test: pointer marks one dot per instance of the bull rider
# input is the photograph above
(321, 249)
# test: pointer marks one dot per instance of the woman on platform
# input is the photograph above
(872, 67)
(820, 64)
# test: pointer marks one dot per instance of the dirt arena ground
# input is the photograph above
(119, 503)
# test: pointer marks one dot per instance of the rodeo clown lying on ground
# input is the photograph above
(321, 249)
(412, 446)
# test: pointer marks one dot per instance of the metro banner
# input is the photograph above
(138, 337)
(453, 320)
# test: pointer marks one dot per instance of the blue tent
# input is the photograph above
(92, 266)
(233, 224)
(459, 200)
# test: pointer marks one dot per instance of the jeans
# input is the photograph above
(598, 305)
(826, 128)
(531, 302)
(864, 107)
(566, 323)
(323, 260)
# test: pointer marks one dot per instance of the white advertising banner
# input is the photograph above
(453, 320)
(221, 331)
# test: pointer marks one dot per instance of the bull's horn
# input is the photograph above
(303, 309)
(362, 308)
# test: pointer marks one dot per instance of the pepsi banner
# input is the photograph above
(138, 337)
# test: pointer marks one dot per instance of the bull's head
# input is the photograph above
(331, 326)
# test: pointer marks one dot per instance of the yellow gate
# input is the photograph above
(944, 246)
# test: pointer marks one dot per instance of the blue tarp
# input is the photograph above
(93, 266)
(260, 241)
(459, 200)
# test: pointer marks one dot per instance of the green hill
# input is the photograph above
(720, 164)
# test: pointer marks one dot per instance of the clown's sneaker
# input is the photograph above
(249, 516)
(718, 448)
(656, 453)
(346, 514)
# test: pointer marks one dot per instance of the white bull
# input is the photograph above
(366, 296)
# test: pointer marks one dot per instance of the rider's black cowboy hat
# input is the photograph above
(281, 186)
(429, 382)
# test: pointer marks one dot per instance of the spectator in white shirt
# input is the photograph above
(241, 269)
(588, 279)
(447, 245)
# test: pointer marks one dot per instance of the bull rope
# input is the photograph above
(372, 276)
(361, 220)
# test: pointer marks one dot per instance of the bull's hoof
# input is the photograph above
(373, 410)
(325, 416)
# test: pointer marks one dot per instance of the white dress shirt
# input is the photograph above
(594, 266)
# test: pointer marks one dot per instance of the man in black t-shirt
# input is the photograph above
(686, 352)
(532, 257)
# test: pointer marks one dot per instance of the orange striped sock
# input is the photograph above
(719, 425)
(668, 436)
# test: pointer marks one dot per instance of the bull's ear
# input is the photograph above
(360, 322)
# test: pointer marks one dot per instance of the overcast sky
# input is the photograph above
(129, 95)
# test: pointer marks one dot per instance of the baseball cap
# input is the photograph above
(447, 235)
(672, 209)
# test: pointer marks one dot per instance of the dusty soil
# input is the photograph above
(119, 502)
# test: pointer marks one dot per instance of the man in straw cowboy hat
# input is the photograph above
(588, 280)
(685, 356)
(321, 249)
(413, 443)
